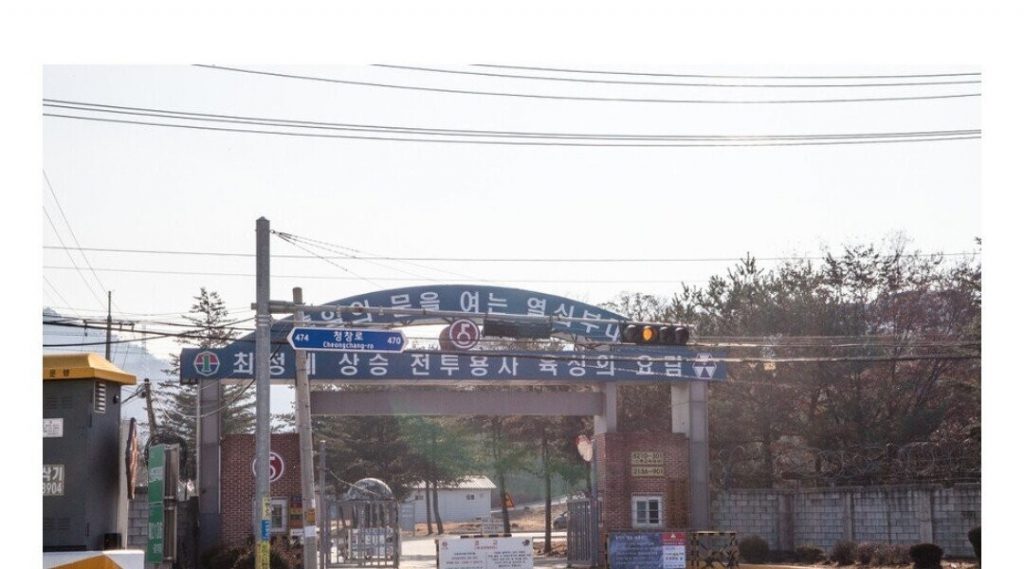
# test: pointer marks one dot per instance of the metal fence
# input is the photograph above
(581, 533)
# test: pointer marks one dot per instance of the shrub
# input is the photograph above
(809, 554)
(754, 549)
(926, 556)
(220, 557)
(277, 561)
(891, 554)
(844, 552)
(975, 537)
(866, 552)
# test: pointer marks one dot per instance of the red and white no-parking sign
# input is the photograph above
(463, 334)
(276, 466)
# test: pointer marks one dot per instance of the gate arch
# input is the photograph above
(599, 361)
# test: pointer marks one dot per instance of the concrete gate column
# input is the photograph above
(209, 464)
(690, 417)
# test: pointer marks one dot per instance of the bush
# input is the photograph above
(221, 557)
(754, 549)
(277, 561)
(891, 554)
(926, 556)
(975, 537)
(844, 552)
(866, 552)
(809, 554)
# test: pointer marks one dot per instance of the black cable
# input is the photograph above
(499, 142)
(384, 129)
(663, 84)
(600, 72)
(492, 259)
(71, 258)
(577, 98)
(71, 230)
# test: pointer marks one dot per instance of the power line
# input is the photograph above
(708, 342)
(602, 72)
(664, 84)
(71, 230)
(59, 295)
(499, 259)
(580, 98)
(377, 278)
(71, 257)
(360, 277)
(501, 142)
(369, 257)
(390, 129)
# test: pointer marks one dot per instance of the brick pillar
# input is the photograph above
(617, 484)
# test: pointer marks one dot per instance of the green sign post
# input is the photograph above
(155, 543)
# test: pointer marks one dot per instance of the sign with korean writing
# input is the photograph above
(647, 550)
(346, 340)
(155, 541)
(53, 428)
(485, 553)
(613, 362)
(53, 480)
(647, 463)
(475, 299)
(652, 365)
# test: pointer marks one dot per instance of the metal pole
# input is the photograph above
(304, 424)
(325, 541)
(595, 533)
(110, 322)
(261, 522)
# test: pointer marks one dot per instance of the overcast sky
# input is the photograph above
(166, 189)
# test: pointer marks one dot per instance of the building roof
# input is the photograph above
(83, 366)
(467, 483)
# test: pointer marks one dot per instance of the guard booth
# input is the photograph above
(84, 493)
(363, 527)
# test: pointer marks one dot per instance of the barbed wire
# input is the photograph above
(937, 462)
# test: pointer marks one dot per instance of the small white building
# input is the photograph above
(467, 501)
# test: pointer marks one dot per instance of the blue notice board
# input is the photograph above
(647, 550)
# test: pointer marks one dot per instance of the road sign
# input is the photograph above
(463, 334)
(276, 466)
(346, 340)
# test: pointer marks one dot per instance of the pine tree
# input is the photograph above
(176, 403)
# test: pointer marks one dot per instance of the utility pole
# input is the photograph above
(304, 423)
(149, 407)
(261, 522)
(110, 322)
(325, 533)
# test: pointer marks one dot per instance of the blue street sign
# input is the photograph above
(346, 340)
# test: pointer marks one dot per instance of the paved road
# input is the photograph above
(419, 552)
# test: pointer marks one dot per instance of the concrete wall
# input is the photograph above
(823, 516)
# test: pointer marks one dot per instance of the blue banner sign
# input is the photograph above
(615, 362)
(647, 550)
(651, 365)
(474, 299)
(346, 340)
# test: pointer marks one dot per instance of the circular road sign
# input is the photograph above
(276, 466)
(463, 334)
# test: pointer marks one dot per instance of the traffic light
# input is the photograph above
(647, 333)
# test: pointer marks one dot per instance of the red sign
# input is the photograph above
(462, 334)
(673, 538)
(276, 466)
